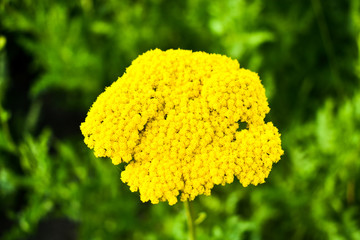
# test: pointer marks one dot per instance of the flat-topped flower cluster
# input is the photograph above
(174, 118)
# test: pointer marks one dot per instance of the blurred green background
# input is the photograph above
(57, 56)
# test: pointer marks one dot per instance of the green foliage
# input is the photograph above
(57, 56)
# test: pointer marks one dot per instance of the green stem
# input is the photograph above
(190, 221)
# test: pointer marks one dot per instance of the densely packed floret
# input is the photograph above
(174, 118)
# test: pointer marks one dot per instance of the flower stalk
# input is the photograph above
(190, 220)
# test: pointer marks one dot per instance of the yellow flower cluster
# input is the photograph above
(174, 118)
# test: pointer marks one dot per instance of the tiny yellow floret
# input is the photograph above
(174, 117)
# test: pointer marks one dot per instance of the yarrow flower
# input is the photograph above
(174, 118)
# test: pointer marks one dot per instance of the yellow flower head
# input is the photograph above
(174, 118)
